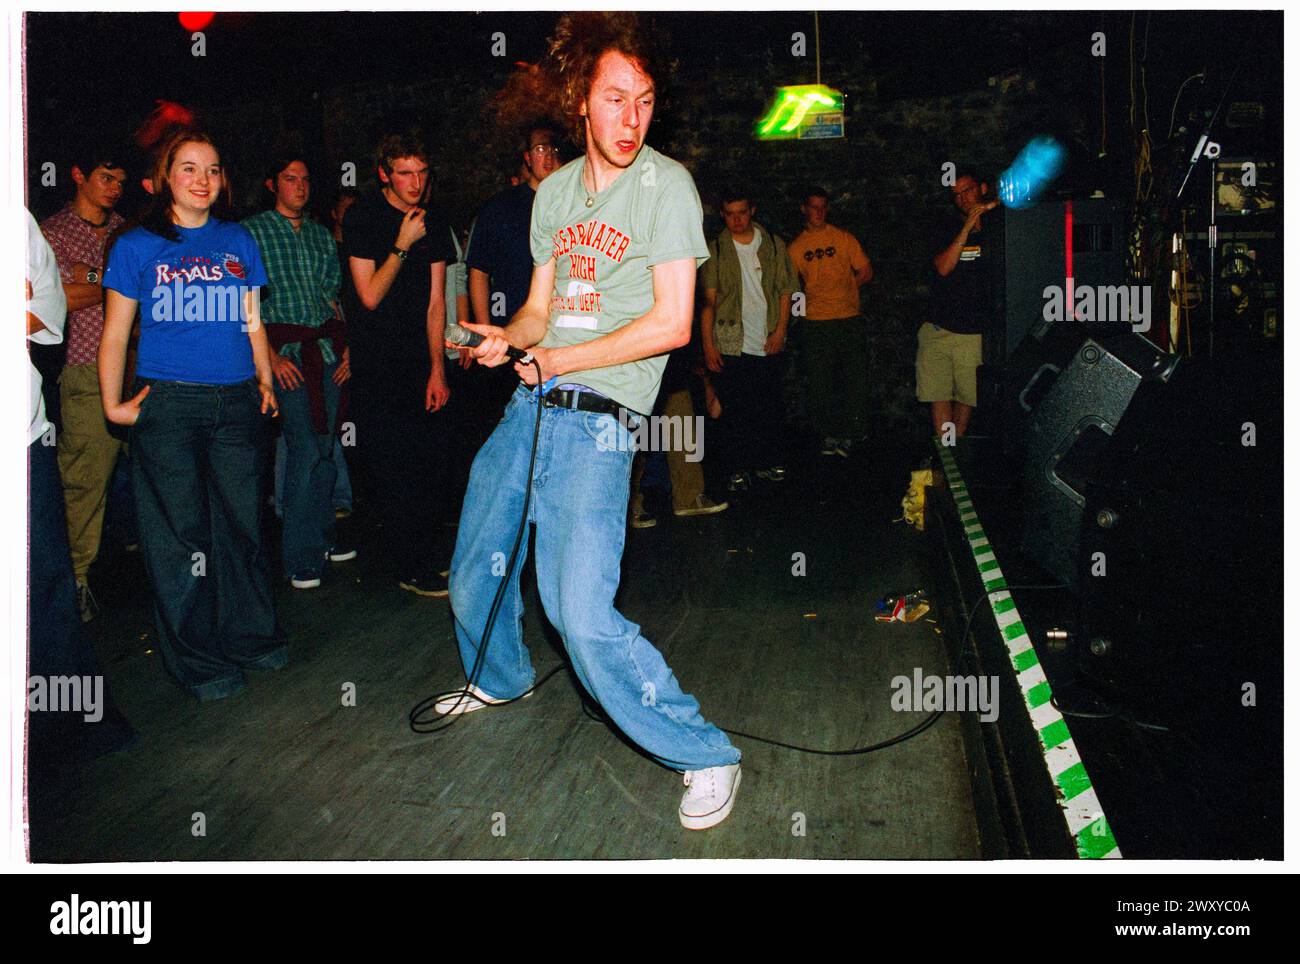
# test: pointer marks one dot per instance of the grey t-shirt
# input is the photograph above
(603, 255)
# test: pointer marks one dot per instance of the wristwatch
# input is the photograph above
(92, 276)
(402, 255)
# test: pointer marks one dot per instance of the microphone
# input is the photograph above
(464, 338)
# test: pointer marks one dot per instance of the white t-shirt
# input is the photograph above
(47, 303)
(753, 306)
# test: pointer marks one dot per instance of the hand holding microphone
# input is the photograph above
(485, 342)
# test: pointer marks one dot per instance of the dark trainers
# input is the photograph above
(830, 446)
(432, 585)
(340, 554)
(641, 519)
(775, 474)
(738, 482)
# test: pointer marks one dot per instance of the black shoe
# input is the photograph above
(340, 553)
(432, 584)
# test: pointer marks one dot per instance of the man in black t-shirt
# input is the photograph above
(500, 264)
(397, 257)
(950, 341)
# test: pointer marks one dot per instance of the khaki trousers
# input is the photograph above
(687, 477)
(87, 454)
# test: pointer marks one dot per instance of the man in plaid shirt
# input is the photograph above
(300, 307)
(87, 452)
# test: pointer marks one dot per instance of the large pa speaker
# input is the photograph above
(1182, 546)
(1067, 436)
(1035, 248)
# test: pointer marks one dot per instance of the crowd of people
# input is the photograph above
(190, 334)
(341, 333)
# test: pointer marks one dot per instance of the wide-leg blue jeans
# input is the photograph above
(579, 508)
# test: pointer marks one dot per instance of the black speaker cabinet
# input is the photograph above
(1184, 522)
(1010, 392)
(1067, 435)
(1029, 252)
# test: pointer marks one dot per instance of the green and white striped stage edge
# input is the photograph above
(1074, 792)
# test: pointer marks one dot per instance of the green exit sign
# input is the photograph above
(805, 112)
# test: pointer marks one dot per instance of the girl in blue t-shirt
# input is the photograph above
(197, 413)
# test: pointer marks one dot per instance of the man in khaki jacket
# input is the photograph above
(748, 283)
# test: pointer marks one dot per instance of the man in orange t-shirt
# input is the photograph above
(833, 266)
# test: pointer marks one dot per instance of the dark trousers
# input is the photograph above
(405, 452)
(749, 432)
(309, 477)
(837, 364)
(478, 399)
(197, 453)
(57, 644)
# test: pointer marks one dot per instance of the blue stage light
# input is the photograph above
(1031, 173)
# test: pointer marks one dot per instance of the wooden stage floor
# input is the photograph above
(285, 771)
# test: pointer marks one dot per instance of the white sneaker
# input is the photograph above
(468, 700)
(709, 796)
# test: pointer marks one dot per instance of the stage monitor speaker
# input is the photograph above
(1010, 392)
(1067, 435)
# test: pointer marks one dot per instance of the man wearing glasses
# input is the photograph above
(501, 266)
(950, 342)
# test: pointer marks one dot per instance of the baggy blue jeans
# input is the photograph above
(579, 508)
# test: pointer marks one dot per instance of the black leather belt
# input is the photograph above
(588, 400)
(582, 401)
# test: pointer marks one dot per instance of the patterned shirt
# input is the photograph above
(303, 266)
(73, 240)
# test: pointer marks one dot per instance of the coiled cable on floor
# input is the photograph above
(419, 722)
(418, 718)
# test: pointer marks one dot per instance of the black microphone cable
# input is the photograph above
(419, 722)
(418, 717)
(933, 718)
